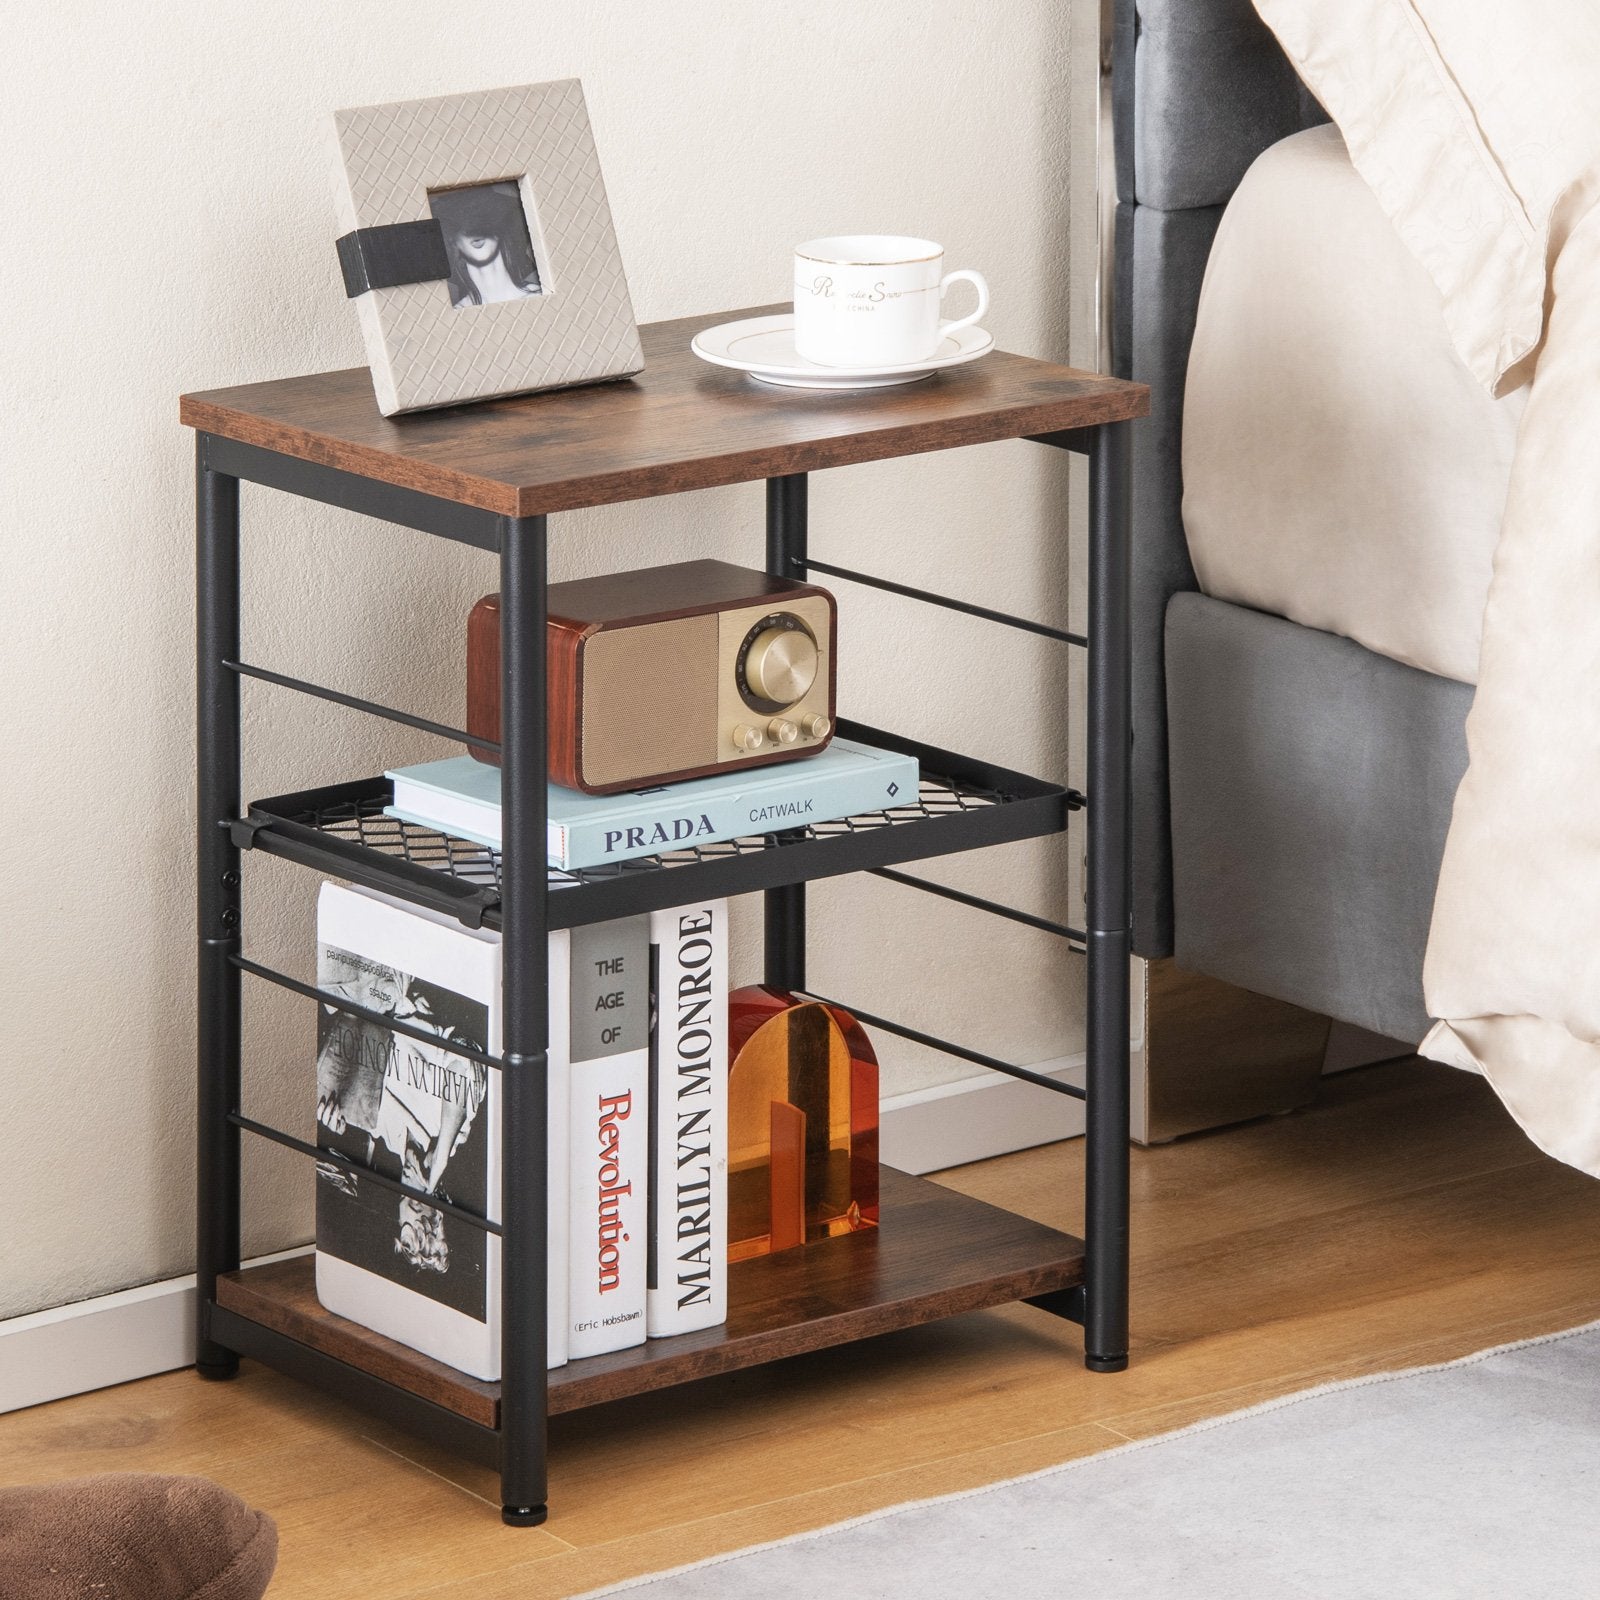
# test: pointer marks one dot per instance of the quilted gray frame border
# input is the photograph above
(422, 350)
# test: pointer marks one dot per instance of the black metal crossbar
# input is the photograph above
(1074, 936)
(354, 702)
(1026, 1074)
(332, 1158)
(393, 1024)
(1027, 625)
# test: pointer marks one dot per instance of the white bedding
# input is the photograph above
(1477, 125)
(1342, 467)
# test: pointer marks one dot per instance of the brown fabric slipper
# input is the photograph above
(133, 1536)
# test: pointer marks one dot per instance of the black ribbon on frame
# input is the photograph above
(388, 256)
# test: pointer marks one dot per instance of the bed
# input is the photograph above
(1299, 727)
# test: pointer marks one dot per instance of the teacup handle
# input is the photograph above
(976, 279)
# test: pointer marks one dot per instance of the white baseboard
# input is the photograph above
(975, 1118)
(93, 1344)
(137, 1333)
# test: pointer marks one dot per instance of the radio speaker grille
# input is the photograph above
(649, 699)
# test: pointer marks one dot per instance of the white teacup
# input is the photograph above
(873, 300)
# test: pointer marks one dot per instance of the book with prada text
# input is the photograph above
(461, 796)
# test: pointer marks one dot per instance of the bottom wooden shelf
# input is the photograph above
(935, 1253)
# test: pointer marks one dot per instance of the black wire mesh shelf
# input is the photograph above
(342, 831)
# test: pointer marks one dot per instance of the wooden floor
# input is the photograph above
(1402, 1219)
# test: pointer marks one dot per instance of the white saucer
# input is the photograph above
(764, 347)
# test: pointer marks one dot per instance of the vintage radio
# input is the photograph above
(670, 672)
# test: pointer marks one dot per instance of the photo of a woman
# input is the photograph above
(487, 240)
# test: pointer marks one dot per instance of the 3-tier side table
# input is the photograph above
(491, 476)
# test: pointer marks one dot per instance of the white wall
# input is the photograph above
(168, 226)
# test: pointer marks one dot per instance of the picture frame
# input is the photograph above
(475, 238)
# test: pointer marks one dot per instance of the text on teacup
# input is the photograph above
(822, 288)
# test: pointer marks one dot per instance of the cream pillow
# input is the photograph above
(1341, 467)
(1471, 120)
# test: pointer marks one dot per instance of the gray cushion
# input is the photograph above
(1208, 91)
(1312, 783)
(1213, 90)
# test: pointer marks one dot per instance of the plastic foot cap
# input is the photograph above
(218, 1371)
(523, 1516)
(1106, 1363)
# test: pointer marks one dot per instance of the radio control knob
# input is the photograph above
(815, 727)
(781, 731)
(781, 665)
(748, 738)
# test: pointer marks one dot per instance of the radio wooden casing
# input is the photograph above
(670, 672)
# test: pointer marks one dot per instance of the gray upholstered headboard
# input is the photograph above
(1199, 90)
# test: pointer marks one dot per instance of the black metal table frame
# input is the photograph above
(519, 1445)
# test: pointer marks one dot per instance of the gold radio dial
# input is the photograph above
(781, 664)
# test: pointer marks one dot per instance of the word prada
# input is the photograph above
(684, 828)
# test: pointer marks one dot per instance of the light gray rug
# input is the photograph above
(1476, 1478)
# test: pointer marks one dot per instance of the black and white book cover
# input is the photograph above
(688, 1267)
(422, 1114)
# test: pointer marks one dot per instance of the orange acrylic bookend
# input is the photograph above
(803, 1123)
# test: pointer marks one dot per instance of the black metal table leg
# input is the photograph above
(525, 1033)
(217, 898)
(784, 910)
(1108, 895)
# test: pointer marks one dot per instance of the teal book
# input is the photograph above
(461, 796)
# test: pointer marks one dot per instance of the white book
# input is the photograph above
(610, 1141)
(688, 1271)
(426, 1116)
